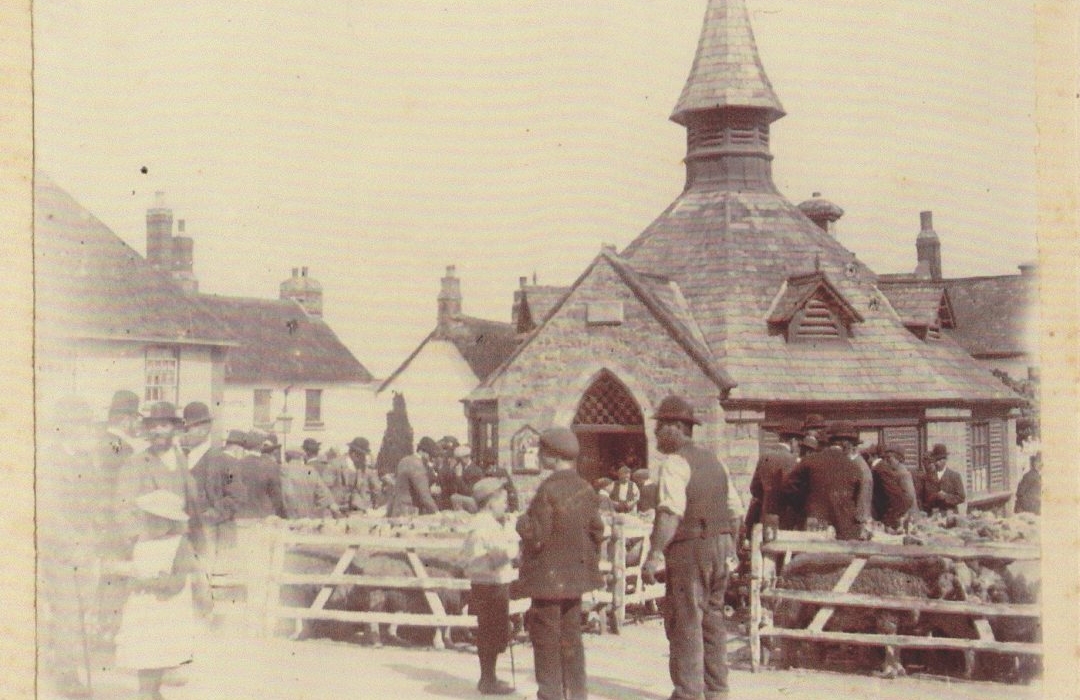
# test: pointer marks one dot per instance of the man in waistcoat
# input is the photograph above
(767, 482)
(693, 533)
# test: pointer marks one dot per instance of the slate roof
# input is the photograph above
(483, 344)
(730, 252)
(281, 343)
(727, 70)
(537, 302)
(992, 314)
(662, 297)
(916, 301)
(90, 284)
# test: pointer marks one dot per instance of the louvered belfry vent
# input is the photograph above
(817, 320)
(607, 402)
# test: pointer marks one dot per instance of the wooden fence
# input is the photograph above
(778, 550)
(264, 599)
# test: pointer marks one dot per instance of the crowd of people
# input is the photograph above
(101, 490)
(134, 513)
(816, 478)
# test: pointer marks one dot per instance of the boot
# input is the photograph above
(494, 686)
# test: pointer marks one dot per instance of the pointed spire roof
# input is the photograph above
(727, 70)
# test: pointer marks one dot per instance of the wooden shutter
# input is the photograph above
(907, 437)
(999, 457)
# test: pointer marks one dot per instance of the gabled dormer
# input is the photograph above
(809, 308)
(923, 307)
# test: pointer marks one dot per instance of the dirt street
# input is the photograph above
(233, 665)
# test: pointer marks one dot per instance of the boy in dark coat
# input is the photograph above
(942, 488)
(560, 553)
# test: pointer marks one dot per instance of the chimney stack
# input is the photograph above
(159, 245)
(928, 248)
(449, 300)
(519, 298)
(307, 291)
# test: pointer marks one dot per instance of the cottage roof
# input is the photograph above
(992, 314)
(483, 344)
(727, 70)
(90, 284)
(731, 251)
(280, 342)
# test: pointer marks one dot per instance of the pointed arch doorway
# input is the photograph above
(611, 429)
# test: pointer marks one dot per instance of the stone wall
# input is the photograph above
(544, 384)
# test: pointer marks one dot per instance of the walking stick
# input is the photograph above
(510, 646)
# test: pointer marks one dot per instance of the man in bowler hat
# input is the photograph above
(767, 482)
(412, 486)
(560, 534)
(697, 518)
(835, 485)
(942, 488)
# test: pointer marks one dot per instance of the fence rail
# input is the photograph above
(783, 544)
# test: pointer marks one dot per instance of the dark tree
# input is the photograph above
(397, 441)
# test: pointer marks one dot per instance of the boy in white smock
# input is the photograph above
(490, 548)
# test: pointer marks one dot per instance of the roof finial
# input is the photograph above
(727, 70)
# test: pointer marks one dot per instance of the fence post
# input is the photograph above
(618, 569)
(755, 597)
(273, 584)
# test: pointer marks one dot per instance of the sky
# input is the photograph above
(378, 141)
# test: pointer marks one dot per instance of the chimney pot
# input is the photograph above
(303, 272)
(180, 226)
(522, 281)
(450, 270)
(816, 195)
(926, 218)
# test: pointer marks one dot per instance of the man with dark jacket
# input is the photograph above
(942, 488)
(768, 480)
(412, 487)
(835, 484)
(697, 518)
(560, 553)
(894, 489)
(1029, 490)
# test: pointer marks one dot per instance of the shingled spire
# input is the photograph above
(727, 104)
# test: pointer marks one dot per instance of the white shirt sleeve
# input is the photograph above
(734, 500)
(674, 476)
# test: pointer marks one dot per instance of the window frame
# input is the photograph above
(159, 361)
(313, 419)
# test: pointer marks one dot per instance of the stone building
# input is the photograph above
(737, 299)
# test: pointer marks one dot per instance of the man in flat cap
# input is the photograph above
(835, 485)
(765, 487)
(942, 488)
(560, 534)
(894, 488)
(67, 544)
(624, 493)
(412, 486)
(697, 518)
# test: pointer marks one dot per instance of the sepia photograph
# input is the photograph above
(695, 349)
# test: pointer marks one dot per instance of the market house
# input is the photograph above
(737, 299)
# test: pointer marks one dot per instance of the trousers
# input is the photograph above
(697, 573)
(558, 654)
